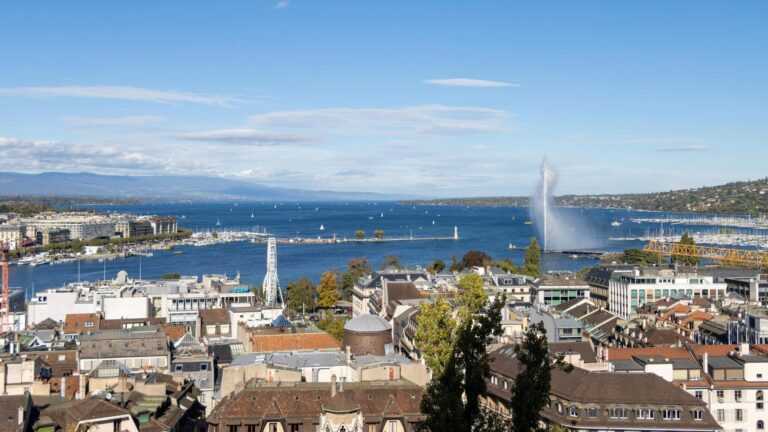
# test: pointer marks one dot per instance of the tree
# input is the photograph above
(356, 268)
(170, 276)
(360, 234)
(378, 234)
(687, 240)
(508, 266)
(333, 325)
(532, 263)
(328, 290)
(473, 258)
(639, 256)
(530, 392)
(300, 295)
(436, 266)
(390, 261)
(452, 400)
(434, 335)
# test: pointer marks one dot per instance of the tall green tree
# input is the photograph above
(356, 268)
(473, 258)
(686, 239)
(333, 325)
(360, 234)
(452, 400)
(534, 380)
(300, 295)
(378, 234)
(328, 290)
(434, 335)
(532, 263)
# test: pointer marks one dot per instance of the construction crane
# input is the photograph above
(729, 255)
(5, 309)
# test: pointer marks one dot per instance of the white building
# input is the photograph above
(630, 291)
(12, 235)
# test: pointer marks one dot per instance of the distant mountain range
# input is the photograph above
(175, 188)
(746, 197)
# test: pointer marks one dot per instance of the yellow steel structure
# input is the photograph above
(736, 256)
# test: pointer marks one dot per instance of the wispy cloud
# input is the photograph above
(131, 121)
(282, 4)
(51, 155)
(468, 82)
(122, 93)
(254, 137)
(684, 149)
(424, 120)
(668, 140)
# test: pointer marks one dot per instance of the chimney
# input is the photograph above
(333, 385)
(705, 362)
(81, 391)
(744, 348)
(348, 352)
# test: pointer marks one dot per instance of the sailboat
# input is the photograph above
(322, 227)
(252, 215)
(433, 221)
(218, 222)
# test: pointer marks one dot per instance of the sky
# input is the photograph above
(425, 98)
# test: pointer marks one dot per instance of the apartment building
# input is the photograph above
(630, 291)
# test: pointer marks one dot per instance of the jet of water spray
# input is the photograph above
(541, 204)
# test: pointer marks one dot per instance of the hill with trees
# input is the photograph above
(746, 197)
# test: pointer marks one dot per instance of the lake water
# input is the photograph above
(490, 229)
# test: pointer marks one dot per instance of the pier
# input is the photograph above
(337, 240)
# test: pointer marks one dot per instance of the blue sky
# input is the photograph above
(438, 98)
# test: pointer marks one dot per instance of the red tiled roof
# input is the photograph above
(174, 331)
(294, 342)
(75, 323)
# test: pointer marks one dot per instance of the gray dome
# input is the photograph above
(367, 323)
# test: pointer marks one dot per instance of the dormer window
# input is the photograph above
(698, 414)
(618, 413)
(644, 414)
(573, 411)
(670, 414)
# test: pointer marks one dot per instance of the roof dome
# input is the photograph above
(367, 323)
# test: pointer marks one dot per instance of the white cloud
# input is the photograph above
(48, 155)
(122, 93)
(468, 82)
(131, 121)
(424, 119)
(254, 137)
(282, 4)
(684, 149)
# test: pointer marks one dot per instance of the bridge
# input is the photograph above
(729, 255)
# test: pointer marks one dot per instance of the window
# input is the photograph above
(295, 428)
(573, 411)
(232, 428)
(698, 414)
(618, 413)
(759, 395)
(392, 426)
(760, 425)
(739, 415)
(251, 428)
(721, 415)
(494, 380)
(210, 329)
(699, 394)
(506, 384)
(224, 328)
(737, 395)
(720, 395)
(272, 427)
(592, 412)
(116, 426)
(203, 366)
(559, 408)
(644, 414)
(178, 368)
(670, 414)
